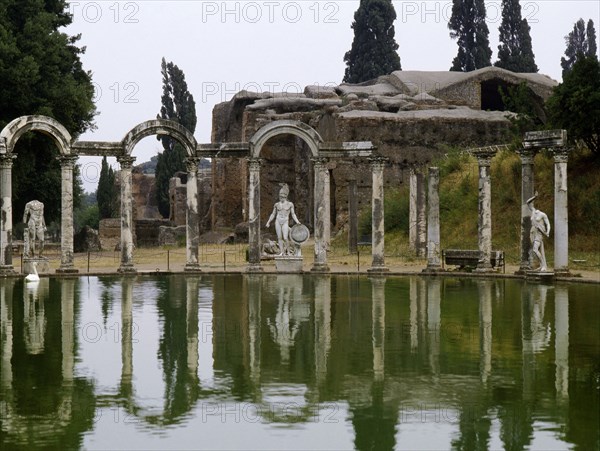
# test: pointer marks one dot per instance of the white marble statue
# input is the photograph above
(281, 213)
(35, 226)
(540, 226)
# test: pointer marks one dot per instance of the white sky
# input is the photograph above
(226, 46)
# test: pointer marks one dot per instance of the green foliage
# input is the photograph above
(581, 43)
(374, 49)
(515, 51)
(395, 211)
(41, 73)
(177, 105)
(86, 216)
(575, 103)
(529, 109)
(106, 193)
(467, 25)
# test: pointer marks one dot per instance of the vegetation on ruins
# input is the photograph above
(41, 73)
(177, 105)
(581, 42)
(106, 193)
(374, 48)
(515, 52)
(575, 103)
(467, 25)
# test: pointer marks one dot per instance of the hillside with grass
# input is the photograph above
(459, 204)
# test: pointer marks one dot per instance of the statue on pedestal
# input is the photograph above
(540, 226)
(281, 213)
(35, 226)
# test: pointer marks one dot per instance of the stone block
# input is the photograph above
(288, 264)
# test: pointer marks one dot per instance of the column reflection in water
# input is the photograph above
(434, 287)
(67, 312)
(6, 332)
(126, 335)
(485, 328)
(254, 291)
(414, 314)
(191, 283)
(561, 325)
(378, 328)
(322, 325)
(34, 317)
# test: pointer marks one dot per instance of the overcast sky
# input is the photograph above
(226, 46)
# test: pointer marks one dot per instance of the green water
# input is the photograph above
(293, 362)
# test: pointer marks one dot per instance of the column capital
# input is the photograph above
(378, 162)
(254, 163)
(191, 164)
(67, 161)
(6, 160)
(126, 161)
(561, 154)
(319, 161)
(527, 155)
(484, 156)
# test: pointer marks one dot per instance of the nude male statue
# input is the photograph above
(540, 226)
(282, 210)
(35, 227)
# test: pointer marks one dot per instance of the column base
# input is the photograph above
(254, 268)
(191, 268)
(320, 268)
(522, 271)
(8, 271)
(127, 269)
(433, 269)
(378, 270)
(563, 272)
(484, 268)
(67, 270)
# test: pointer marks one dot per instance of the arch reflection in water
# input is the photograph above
(334, 361)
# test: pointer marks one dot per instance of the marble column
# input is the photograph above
(417, 213)
(434, 260)
(378, 325)
(127, 225)
(67, 313)
(67, 162)
(527, 191)
(352, 216)
(321, 214)
(484, 226)
(6, 266)
(561, 346)
(377, 221)
(561, 212)
(192, 221)
(254, 216)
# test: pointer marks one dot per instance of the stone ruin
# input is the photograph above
(412, 117)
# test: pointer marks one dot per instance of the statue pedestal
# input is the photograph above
(288, 264)
(43, 265)
(540, 276)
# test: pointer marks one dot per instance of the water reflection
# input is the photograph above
(398, 363)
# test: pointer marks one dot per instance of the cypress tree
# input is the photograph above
(177, 105)
(106, 192)
(373, 52)
(467, 25)
(515, 52)
(581, 42)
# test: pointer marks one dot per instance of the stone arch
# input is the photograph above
(296, 128)
(160, 127)
(21, 125)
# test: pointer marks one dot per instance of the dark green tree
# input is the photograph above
(515, 52)
(467, 25)
(106, 193)
(177, 105)
(374, 49)
(575, 103)
(41, 73)
(581, 42)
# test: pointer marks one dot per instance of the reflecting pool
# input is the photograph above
(302, 362)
